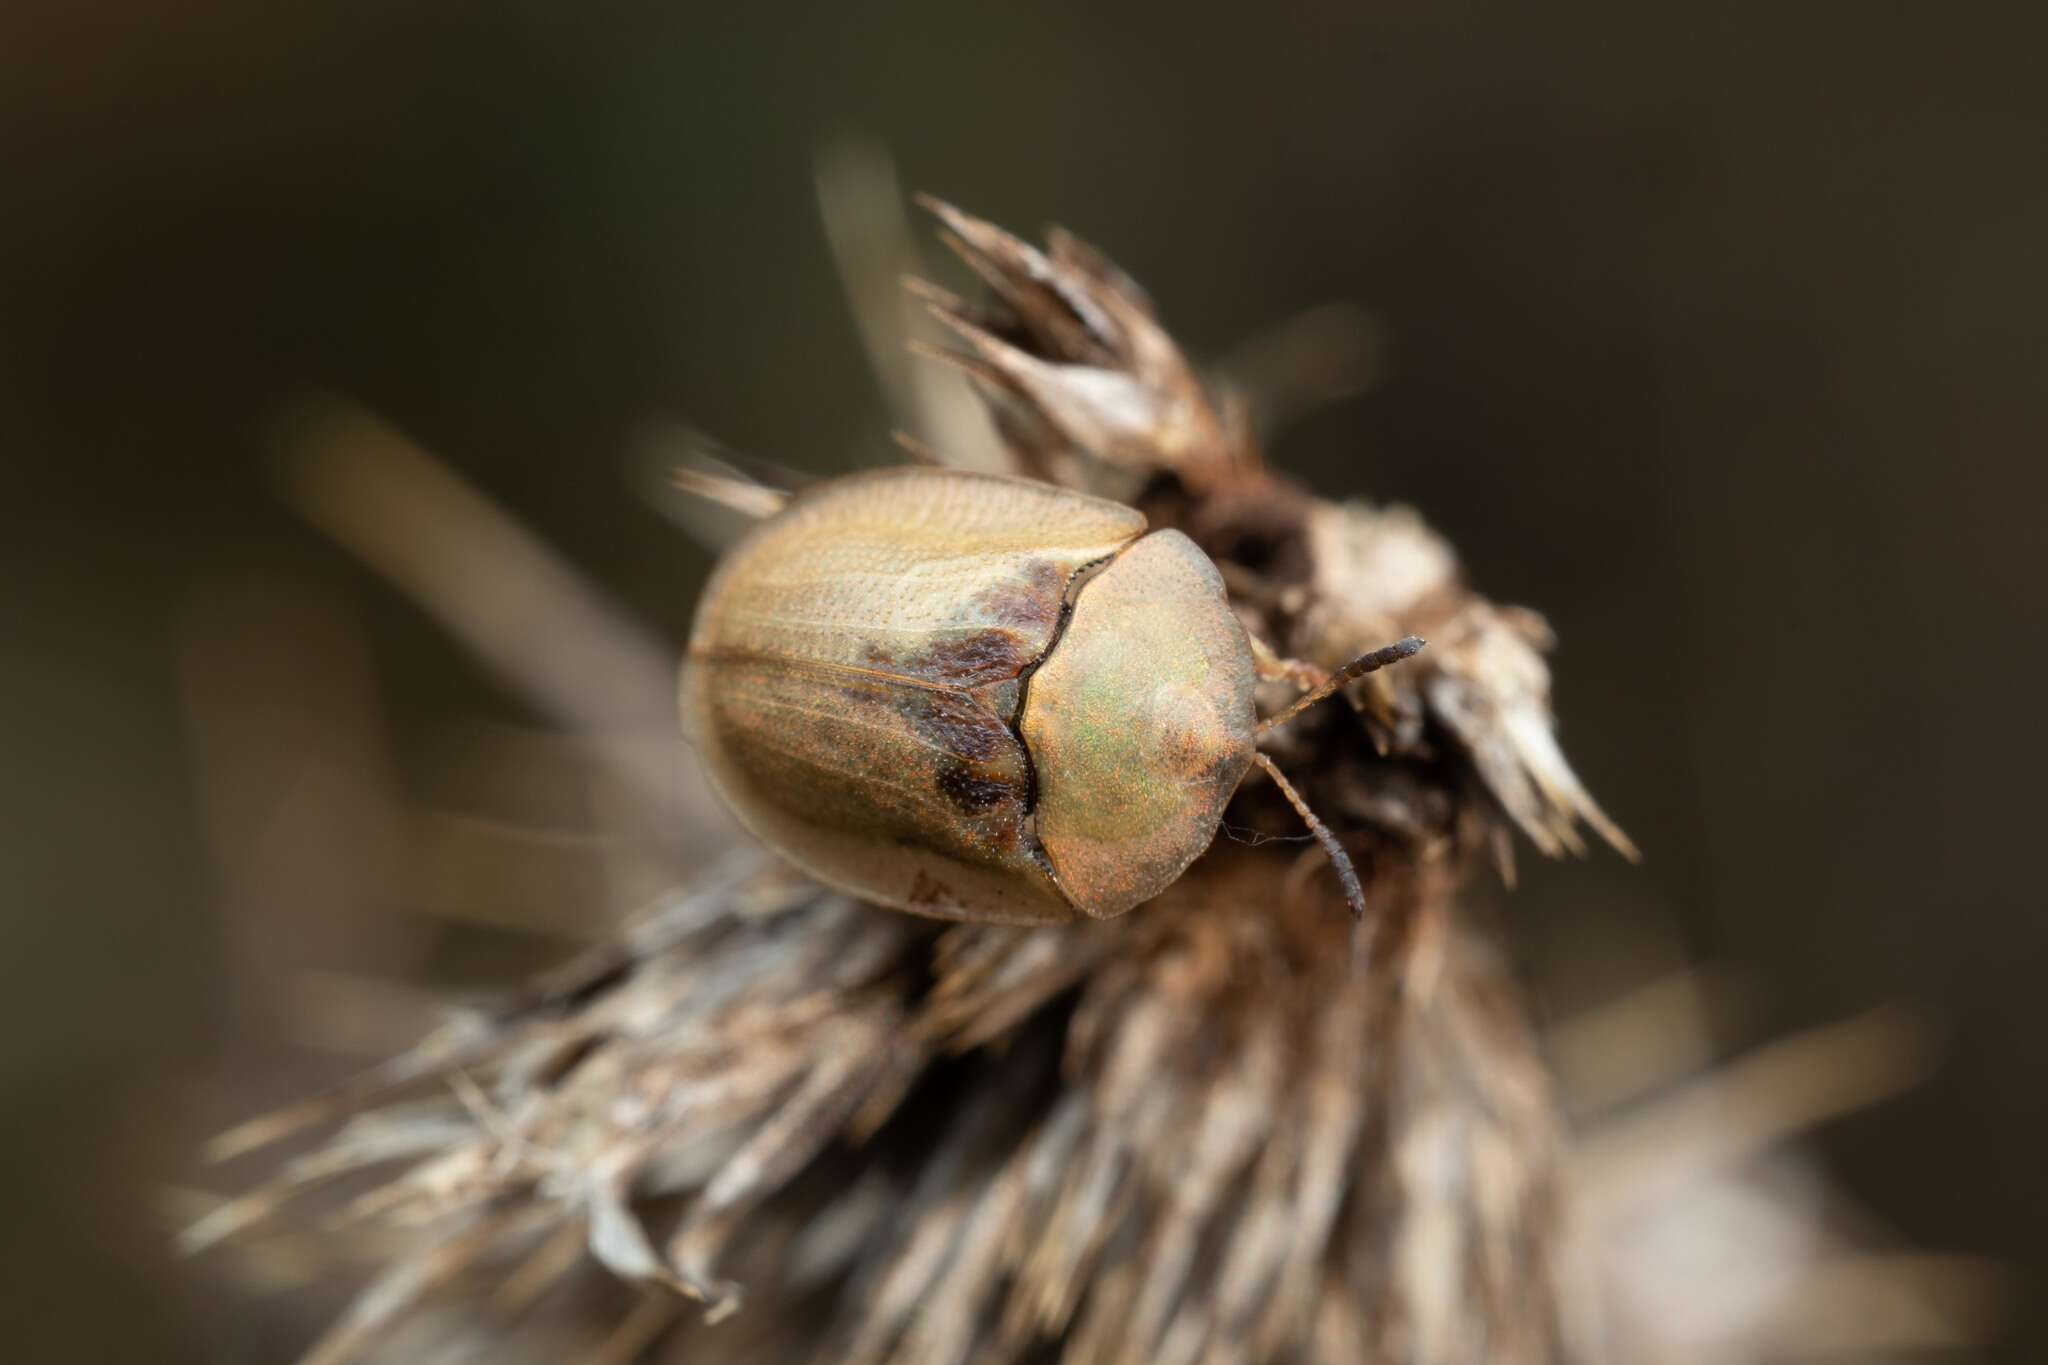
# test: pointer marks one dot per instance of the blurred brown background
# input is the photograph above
(1714, 332)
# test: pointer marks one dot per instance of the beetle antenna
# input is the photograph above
(1339, 859)
(1407, 647)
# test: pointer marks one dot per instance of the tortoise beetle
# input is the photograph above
(980, 698)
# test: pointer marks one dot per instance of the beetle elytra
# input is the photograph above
(977, 697)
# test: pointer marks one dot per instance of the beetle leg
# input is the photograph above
(1274, 667)
(1354, 895)
(1404, 648)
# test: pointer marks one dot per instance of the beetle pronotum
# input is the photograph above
(981, 698)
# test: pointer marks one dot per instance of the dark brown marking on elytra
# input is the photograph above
(1029, 601)
(950, 691)
(958, 724)
(1021, 609)
(927, 891)
(974, 658)
(970, 792)
(963, 659)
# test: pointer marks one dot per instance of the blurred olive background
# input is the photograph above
(1713, 332)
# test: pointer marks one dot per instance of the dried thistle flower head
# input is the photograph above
(1196, 1133)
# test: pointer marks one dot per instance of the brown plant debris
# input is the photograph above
(1196, 1133)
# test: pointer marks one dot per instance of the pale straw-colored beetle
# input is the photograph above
(980, 698)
